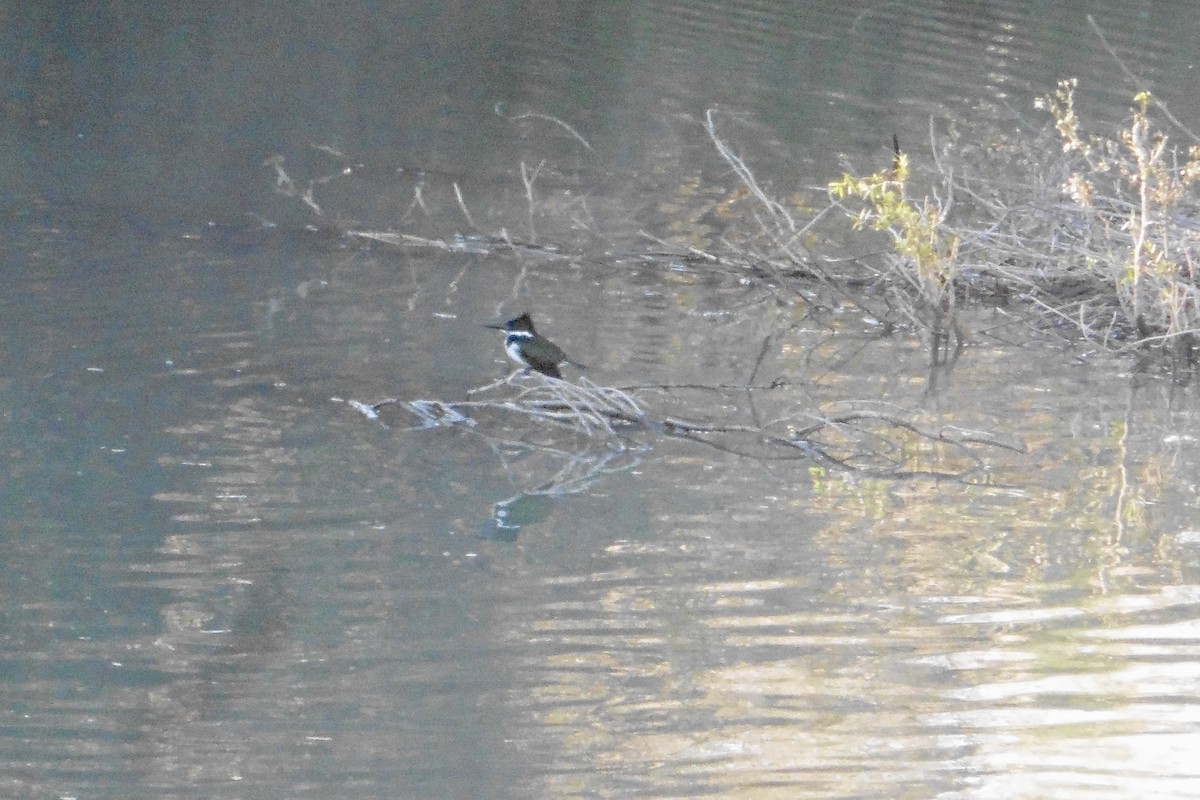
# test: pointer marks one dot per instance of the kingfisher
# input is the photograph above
(529, 348)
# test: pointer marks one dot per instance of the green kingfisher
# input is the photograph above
(529, 348)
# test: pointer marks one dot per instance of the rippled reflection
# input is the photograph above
(220, 579)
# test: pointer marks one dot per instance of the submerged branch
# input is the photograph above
(609, 419)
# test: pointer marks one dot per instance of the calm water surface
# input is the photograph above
(220, 580)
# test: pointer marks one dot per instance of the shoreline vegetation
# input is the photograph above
(1079, 234)
(1095, 235)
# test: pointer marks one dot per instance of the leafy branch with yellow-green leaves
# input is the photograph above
(924, 251)
(1136, 191)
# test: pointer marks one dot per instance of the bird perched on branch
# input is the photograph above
(529, 348)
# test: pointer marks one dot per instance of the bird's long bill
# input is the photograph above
(494, 327)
